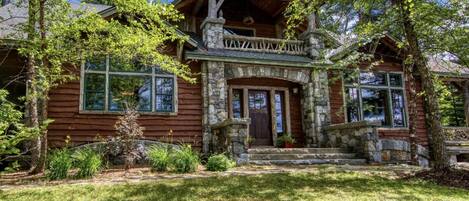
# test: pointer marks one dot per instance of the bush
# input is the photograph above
(159, 158)
(184, 160)
(88, 162)
(59, 163)
(219, 163)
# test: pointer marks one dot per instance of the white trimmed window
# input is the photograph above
(108, 82)
(375, 96)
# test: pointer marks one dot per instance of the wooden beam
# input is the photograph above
(197, 7)
(184, 3)
(213, 8)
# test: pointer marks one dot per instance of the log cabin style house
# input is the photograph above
(252, 88)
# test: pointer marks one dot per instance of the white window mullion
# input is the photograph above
(153, 90)
(106, 96)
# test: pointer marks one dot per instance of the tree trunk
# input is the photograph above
(440, 157)
(413, 116)
(44, 92)
(31, 92)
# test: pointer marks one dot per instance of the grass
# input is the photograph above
(294, 186)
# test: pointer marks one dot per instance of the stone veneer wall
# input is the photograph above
(457, 142)
(359, 137)
(213, 80)
(398, 151)
(362, 138)
(231, 137)
(316, 108)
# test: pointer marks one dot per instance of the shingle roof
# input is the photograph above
(447, 68)
(13, 16)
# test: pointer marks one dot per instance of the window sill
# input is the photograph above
(120, 113)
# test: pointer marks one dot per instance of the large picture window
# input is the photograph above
(375, 96)
(109, 83)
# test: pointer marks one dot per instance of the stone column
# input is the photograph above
(316, 108)
(213, 80)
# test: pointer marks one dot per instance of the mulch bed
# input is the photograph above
(448, 177)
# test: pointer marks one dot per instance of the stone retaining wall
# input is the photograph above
(359, 137)
(362, 138)
(231, 137)
(457, 142)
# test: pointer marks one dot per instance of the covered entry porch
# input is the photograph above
(273, 107)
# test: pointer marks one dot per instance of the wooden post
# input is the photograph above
(466, 102)
(312, 22)
(213, 8)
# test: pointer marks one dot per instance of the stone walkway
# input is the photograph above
(118, 176)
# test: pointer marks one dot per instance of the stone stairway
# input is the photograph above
(302, 156)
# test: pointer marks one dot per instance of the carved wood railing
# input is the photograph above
(265, 45)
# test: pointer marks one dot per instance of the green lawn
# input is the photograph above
(299, 186)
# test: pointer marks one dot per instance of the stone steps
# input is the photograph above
(309, 162)
(302, 156)
(295, 150)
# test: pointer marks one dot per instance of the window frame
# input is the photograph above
(386, 87)
(108, 72)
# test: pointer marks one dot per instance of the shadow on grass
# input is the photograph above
(330, 186)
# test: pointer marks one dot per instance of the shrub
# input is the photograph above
(184, 160)
(219, 162)
(88, 162)
(159, 158)
(59, 163)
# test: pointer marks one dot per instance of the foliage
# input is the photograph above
(219, 162)
(333, 185)
(128, 130)
(56, 39)
(184, 160)
(59, 163)
(12, 130)
(451, 105)
(159, 157)
(425, 27)
(284, 139)
(88, 162)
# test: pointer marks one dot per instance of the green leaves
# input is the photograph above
(12, 131)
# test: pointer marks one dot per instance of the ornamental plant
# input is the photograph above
(184, 160)
(59, 163)
(159, 157)
(88, 162)
(219, 163)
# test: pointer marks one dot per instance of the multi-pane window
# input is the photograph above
(375, 96)
(279, 113)
(110, 83)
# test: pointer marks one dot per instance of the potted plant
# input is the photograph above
(286, 141)
(250, 140)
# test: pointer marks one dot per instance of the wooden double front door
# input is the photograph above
(265, 107)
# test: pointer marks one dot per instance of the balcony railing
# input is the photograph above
(265, 45)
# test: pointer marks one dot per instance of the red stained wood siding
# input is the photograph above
(85, 128)
(337, 107)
